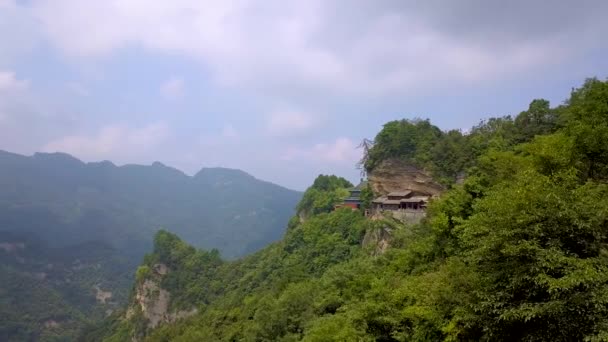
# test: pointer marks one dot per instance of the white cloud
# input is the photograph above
(19, 31)
(10, 83)
(313, 46)
(78, 88)
(173, 89)
(227, 137)
(116, 142)
(12, 92)
(289, 122)
(229, 132)
(341, 151)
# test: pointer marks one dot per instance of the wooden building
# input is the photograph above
(354, 199)
(401, 200)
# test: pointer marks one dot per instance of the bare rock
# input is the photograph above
(101, 295)
(396, 175)
(50, 324)
(161, 269)
(378, 240)
(154, 301)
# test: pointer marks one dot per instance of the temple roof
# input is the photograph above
(379, 199)
(400, 193)
(352, 199)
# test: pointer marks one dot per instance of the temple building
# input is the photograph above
(407, 200)
(407, 205)
(354, 199)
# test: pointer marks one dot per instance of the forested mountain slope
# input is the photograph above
(49, 294)
(73, 229)
(64, 200)
(518, 251)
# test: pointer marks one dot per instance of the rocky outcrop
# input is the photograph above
(153, 301)
(396, 175)
(161, 269)
(50, 324)
(377, 240)
(409, 217)
(101, 295)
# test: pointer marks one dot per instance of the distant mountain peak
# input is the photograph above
(208, 175)
(222, 172)
(58, 157)
(103, 163)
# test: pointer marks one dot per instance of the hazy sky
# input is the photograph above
(284, 90)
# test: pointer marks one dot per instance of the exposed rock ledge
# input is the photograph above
(391, 176)
(396, 175)
(378, 239)
(154, 301)
(101, 295)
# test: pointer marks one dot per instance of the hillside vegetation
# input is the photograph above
(97, 220)
(49, 294)
(446, 155)
(518, 251)
(63, 200)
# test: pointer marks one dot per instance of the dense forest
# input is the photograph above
(70, 231)
(515, 250)
(64, 200)
(49, 294)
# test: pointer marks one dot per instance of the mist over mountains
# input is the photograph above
(64, 200)
(73, 233)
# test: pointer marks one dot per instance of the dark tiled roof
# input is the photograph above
(380, 199)
(400, 193)
(352, 199)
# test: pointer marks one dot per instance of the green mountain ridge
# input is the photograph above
(49, 293)
(67, 191)
(113, 212)
(517, 251)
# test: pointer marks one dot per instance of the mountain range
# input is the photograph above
(72, 233)
(64, 200)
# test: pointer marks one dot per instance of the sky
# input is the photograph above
(284, 90)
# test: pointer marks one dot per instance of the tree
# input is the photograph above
(585, 117)
(323, 195)
(539, 119)
(539, 247)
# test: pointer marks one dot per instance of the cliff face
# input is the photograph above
(153, 302)
(396, 175)
(378, 240)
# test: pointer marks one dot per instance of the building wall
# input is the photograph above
(390, 206)
(409, 216)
